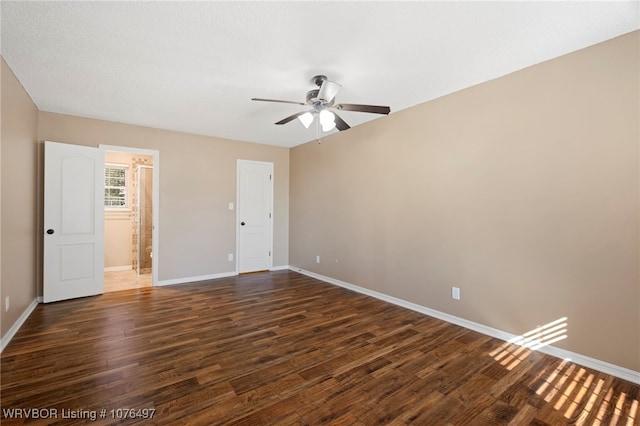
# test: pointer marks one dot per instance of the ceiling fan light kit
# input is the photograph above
(306, 119)
(328, 91)
(327, 120)
(321, 100)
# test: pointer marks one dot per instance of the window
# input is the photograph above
(115, 186)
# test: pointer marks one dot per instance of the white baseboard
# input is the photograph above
(118, 268)
(596, 364)
(280, 268)
(16, 326)
(212, 276)
(198, 278)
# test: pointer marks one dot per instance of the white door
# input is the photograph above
(255, 203)
(73, 221)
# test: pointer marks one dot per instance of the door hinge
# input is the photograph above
(269, 177)
(269, 215)
(269, 253)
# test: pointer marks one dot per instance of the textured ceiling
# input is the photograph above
(194, 66)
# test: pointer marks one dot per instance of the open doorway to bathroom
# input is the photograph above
(128, 220)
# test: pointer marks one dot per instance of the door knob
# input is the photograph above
(242, 223)
(50, 231)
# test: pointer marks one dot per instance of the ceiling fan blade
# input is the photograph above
(277, 100)
(340, 123)
(328, 90)
(291, 118)
(374, 109)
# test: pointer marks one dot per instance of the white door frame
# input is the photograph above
(273, 178)
(155, 214)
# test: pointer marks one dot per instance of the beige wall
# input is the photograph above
(19, 172)
(118, 240)
(522, 191)
(197, 182)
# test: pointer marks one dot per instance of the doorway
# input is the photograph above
(76, 195)
(131, 218)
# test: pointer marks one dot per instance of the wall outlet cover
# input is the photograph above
(455, 293)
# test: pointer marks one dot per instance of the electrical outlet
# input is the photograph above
(230, 257)
(455, 293)
(230, 206)
(6, 304)
(317, 259)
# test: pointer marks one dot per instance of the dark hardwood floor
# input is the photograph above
(285, 349)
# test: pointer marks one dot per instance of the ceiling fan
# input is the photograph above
(322, 100)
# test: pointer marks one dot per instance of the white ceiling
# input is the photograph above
(194, 66)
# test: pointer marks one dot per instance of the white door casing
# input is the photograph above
(73, 221)
(255, 216)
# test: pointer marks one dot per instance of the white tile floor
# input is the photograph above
(125, 280)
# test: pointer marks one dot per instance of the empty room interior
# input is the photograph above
(320, 213)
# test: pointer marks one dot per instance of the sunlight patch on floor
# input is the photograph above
(573, 387)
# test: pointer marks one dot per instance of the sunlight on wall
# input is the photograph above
(514, 351)
(543, 335)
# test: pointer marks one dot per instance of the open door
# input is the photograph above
(73, 221)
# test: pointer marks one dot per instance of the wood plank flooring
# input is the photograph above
(281, 348)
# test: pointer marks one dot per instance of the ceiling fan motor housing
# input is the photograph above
(312, 96)
(318, 80)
